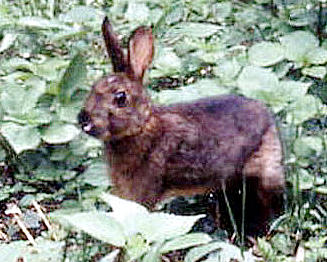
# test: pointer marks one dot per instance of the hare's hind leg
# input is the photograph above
(265, 167)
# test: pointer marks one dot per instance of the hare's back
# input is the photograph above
(225, 130)
(228, 115)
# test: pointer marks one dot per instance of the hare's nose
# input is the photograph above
(85, 122)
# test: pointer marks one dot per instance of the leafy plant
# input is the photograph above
(137, 231)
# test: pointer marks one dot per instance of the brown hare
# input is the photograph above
(155, 152)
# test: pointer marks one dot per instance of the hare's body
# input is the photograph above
(194, 148)
(184, 149)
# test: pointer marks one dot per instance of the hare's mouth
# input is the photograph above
(88, 126)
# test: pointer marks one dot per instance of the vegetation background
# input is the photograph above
(51, 51)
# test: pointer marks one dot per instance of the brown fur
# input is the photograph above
(184, 149)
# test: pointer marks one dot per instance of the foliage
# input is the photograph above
(51, 53)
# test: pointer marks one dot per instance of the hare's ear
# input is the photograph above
(114, 49)
(140, 51)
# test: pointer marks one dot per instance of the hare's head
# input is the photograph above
(118, 105)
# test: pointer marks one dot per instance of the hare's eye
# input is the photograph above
(120, 99)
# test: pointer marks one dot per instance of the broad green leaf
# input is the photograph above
(7, 41)
(8, 252)
(21, 137)
(256, 78)
(197, 253)
(191, 29)
(96, 175)
(39, 116)
(222, 10)
(202, 88)
(69, 113)
(153, 255)
(297, 45)
(294, 90)
(266, 249)
(161, 226)
(81, 14)
(175, 96)
(60, 133)
(206, 88)
(227, 70)
(231, 253)
(49, 69)
(137, 11)
(123, 206)
(53, 174)
(315, 71)
(306, 180)
(19, 100)
(166, 63)
(46, 250)
(73, 77)
(111, 257)
(99, 225)
(129, 214)
(308, 146)
(317, 56)
(136, 247)
(16, 63)
(185, 241)
(303, 109)
(260, 83)
(300, 17)
(41, 23)
(266, 54)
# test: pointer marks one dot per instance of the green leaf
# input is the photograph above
(266, 249)
(60, 133)
(200, 89)
(303, 109)
(73, 77)
(99, 225)
(19, 101)
(167, 63)
(185, 241)
(21, 137)
(262, 84)
(297, 45)
(222, 10)
(191, 29)
(7, 41)
(161, 226)
(199, 252)
(227, 70)
(81, 14)
(40, 23)
(8, 252)
(256, 78)
(137, 11)
(153, 255)
(306, 180)
(96, 175)
(129, 214)
(294, 90)
(111, 257)
(317, 56)
(308, 146)
(47, 250)
(231, 253)
(265, 54)
(314, 71)
(136, 247)
(206, 88)
(49, 69)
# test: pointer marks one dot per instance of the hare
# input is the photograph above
(155, 152)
